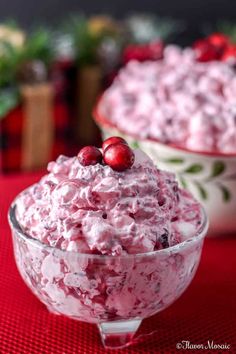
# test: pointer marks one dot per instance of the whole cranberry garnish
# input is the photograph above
(89, 155)
(205, 51)
(119, 156)
(113, 140)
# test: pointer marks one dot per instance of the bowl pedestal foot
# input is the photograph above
(118, 334)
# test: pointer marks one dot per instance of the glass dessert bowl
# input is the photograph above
(113, 258)
(116, 293)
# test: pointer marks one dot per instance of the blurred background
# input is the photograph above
(194, 12)
(56, 59)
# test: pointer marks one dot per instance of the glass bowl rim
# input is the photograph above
(14, 224)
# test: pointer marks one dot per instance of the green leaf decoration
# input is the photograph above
(183, 182)
(85, 42)
(9, 99)
(135, 145)
(38, 47)
(227, 27)
(217, 168)
(9, 60)
(195, 168)
(175, 160)
(202, 191)
(225, 193)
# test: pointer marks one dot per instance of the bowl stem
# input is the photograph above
(118, 334)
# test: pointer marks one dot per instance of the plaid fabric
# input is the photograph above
(11, 128)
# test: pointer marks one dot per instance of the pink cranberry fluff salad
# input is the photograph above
(110, 201)
(176, 100)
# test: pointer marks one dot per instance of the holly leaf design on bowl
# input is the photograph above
(201, 190)
(225, 193)
(218, 168)
(174, 160)
(186, 177)
(182, 181)
(195, 168)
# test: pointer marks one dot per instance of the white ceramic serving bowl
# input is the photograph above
(210, 177)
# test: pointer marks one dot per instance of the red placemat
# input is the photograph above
(206, 311)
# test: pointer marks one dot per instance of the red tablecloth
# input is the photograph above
(206, 311)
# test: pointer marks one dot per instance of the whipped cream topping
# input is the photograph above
(94, 209)
(176, 100)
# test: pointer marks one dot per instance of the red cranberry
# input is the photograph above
(89, 155)
(113, 140)
(155, 50)
(137, 52)
(119, 157)
(229, 53)
(219, 41)
(205, 51)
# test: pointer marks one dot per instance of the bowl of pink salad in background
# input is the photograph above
(109, 240)
(182, 113)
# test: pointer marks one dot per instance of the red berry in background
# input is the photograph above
(143, 52)
(89, 155)
(229, 54)
(112, 140)
(119, 157)
(204, 51)
(219, 41)
(155, 50)
(135, 52)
